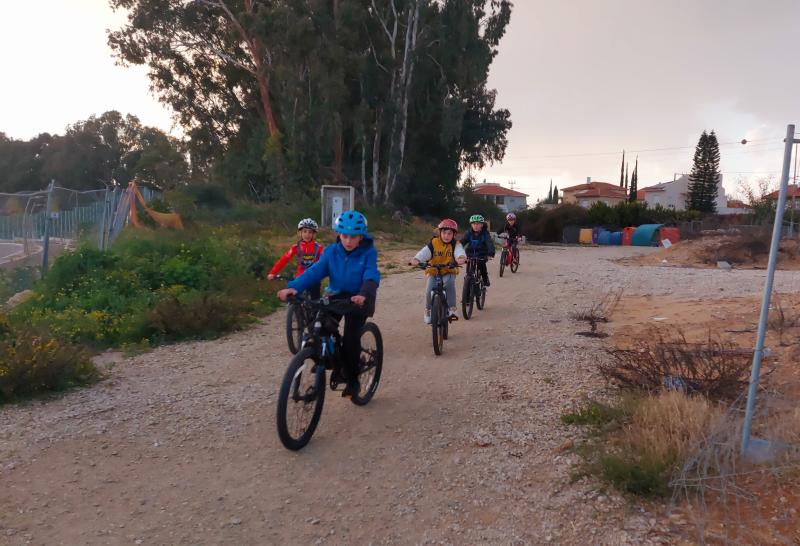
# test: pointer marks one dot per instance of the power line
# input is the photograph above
(763, 142)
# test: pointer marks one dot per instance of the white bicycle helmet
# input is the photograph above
(307, 223)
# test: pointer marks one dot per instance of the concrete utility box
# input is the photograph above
(335, 201)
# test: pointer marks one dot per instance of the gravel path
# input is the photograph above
(178, 446)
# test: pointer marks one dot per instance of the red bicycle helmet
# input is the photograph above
(447, 223)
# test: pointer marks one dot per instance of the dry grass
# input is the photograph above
(666, 426)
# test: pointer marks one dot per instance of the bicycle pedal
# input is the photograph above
(452, 318)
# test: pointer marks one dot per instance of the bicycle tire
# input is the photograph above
(515, 261)
(437, 332)
(316, 392)
(503, 258)
(368, 362)
(467, 300)
(295, 325)
(480, 296)
(446, 321)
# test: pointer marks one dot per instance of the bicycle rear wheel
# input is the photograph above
(370, 364)
(300, 400)
(515, 261)
(295, 324)
(503, 258)
(467, 299)
(437, 329)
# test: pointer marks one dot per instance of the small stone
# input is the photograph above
(236, 521)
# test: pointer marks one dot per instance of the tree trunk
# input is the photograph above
(401, 99)
(364, 167)
(376, 156)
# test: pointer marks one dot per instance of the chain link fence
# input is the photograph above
(37, 226)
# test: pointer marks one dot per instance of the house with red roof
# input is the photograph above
(506, 199)
(593, 192)
(792, 197)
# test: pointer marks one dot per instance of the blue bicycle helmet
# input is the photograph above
(351, 222)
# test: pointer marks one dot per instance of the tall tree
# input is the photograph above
(622, 170)
(633, 196)
(550, 193)
(705, 177)
(626, 176)
(555, 195)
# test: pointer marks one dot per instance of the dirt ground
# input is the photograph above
(178, 445)
(705, 253)
(776, 512)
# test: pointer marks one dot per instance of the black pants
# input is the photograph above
(315, 291)
(483, 271)
(351, 343)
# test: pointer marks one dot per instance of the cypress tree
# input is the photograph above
(555, 195)
(634, 182)
(626, 176)
(622, 170)
(550, 193)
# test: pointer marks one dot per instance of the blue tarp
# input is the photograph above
(646, 235)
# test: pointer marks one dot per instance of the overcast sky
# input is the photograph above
(581, 78)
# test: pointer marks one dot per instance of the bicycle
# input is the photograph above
(509, 257)
(440, 308)
(302, 392)
(474, 292)
(299, 317)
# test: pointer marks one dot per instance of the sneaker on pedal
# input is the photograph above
(452, 315)
(486, 283)
(427, 317)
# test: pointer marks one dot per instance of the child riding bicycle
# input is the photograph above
(479, 244)
(512, 228)
(442, 250)
(352, 266)
(307, 252)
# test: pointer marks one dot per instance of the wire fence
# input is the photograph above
(35, 226)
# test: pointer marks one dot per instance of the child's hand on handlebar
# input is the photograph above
(284, 294)
(415, 262)
(271, 277)
(358, 300)
(461, 260)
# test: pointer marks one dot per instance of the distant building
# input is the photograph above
(792, 196)
(675, 194)
(590, 193)
(506, 199)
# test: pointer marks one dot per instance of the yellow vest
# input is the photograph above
(441, 254)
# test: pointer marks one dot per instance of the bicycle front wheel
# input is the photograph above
(503, 258)
(370, 364)
(300, 400)
(515, 261)
(295, 324)
(467, 299)
(437, 330)
(480, 296)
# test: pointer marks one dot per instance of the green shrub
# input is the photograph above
(16, 280)
(123, 296)
(639, 477)
(32, 364)
(593, 413)
(549, 227)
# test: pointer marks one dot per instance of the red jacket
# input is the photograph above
(307, 254)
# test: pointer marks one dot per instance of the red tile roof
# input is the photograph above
(590, 185)
(736, 204)
(496, 189)
(794, 191)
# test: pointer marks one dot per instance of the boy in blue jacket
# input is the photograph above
(352, 266)
(477, 241)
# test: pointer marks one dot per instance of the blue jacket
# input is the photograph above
(478, 244)
(353, 273)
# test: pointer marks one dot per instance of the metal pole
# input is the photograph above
(45, 252)
(777, 230)
(794, 194)
(103, 221)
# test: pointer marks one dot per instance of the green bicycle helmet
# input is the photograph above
(477, 218)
